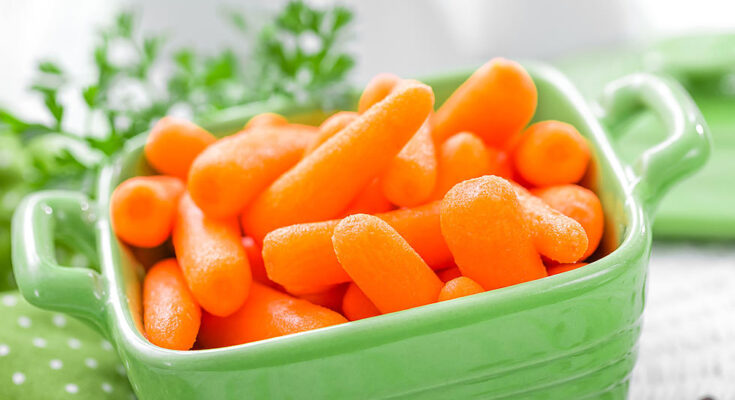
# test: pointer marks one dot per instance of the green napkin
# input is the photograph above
(46, 355)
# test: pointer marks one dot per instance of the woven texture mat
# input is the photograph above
(687, 346)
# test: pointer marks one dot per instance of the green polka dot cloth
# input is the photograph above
(46, 355)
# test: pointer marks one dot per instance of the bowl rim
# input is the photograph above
(391, 327)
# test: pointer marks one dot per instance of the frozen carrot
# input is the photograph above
(231, 172)
(172, 145)
(171, 315)
(411, 176)
(266, 119)
(324, 183)
(463, 156)
(551, 153)
(370, 200)
(497, 101)
(330, 127)
(301, 257)
(212, 258)
(459, 287)
(559, 268)
(484, 226)
(330, 298)
(355, 305)
(255, 260)
(376, 90)
(556, 236)
(385, 267)
(447, 274)
(143, 209)
(267, 313)
(582, 205)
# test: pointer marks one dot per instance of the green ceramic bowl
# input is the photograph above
(568, 336)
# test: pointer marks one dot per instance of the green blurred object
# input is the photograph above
(701, 207)
(568, 336)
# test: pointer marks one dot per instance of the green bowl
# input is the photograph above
(567, 336)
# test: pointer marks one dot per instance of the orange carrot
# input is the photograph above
(582, 205)
(330, 127)
(551, 153)
(385, 267)
(231, 172)
(255, 260)
(143, 208)
(330, 298)
(376, 90)
(212, 259)
(267, 313)
(559, 268)
(173, 144)
(411, 176)
(484, 226)
(171, 315)
(555, 235)
(447, 274)
(463, 156)
(497, 101)
(370, 200)
(265, 119)
(459, 287)
(301, 257)
(355, 305)
(323, 184)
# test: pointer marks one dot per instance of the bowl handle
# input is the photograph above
(80, 292)
(688, 142)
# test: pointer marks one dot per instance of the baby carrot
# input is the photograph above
(212, 259)
(385, 267)
(411, 176)
(484, 226)
(559, 268)
(582, 205)
(324, 183)
(459, 287)
(171, 315)
(370, 200)
(266, 119)
(231, 172)
(555, 235)
(463, 156)
(301, 256)
(497, 101)
(551, 153)
(447, 274)
(355, 305)
(330, 127)
(267, 313)
(173, 144)
(376, 90)
(330, 298)
(255, 260)
(143, 208)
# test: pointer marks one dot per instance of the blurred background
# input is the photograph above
(686, 350)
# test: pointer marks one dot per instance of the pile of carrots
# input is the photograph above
(282, 228)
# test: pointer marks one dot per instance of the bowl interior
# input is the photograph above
(557, 100)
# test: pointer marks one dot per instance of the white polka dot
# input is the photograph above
(106, 387)
(24, 321)
(59, 320)
(9, 300)
(120, 369)
(74, 343)
(55, 364)
(4, 350)
(71, 388)
(106, 345)
(19, 378)
(39, 342)
(90, 362)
